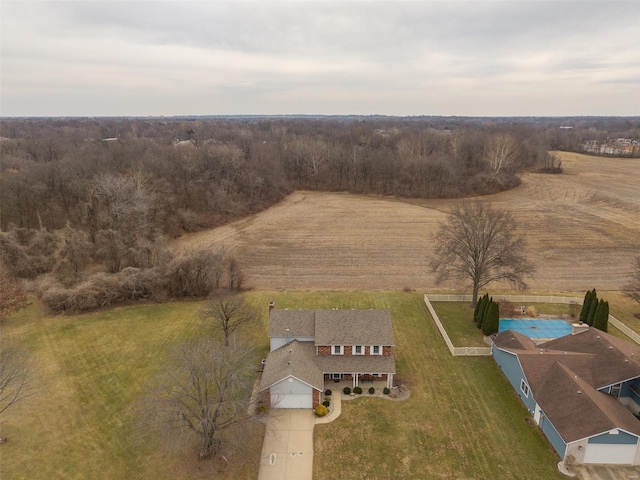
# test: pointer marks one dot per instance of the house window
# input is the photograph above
(336, 376)
(376, 350)
(358, 350)
(615, 390)
(524, 388)
(337, 350)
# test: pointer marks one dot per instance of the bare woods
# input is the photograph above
(89, 205)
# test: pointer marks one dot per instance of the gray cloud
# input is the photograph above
(473, 58)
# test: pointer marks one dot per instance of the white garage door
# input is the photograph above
(291, 393)
(293, 401)
(620, 454)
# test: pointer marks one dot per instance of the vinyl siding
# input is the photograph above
(510, 366)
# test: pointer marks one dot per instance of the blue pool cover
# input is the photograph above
(536, 328)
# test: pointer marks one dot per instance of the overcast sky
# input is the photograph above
(504, 58)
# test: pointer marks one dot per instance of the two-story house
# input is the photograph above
(312, 349)
(581, 389)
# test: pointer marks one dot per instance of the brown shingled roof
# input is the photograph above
(294, 359)
(299, 359)
(568, 401)
(585, 362)
(334, 327)
(354, 327)
(512, 341)
(301, 323)
(611, 362)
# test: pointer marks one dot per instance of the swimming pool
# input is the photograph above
(536, 329)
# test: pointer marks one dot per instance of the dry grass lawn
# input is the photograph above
(582, 228)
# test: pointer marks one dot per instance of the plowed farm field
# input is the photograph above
(582, 230)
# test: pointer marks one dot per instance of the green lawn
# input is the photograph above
(463, 419)
(92, 372)
(457, 319)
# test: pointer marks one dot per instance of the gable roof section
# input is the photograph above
(354, 327)
(292, 360)
(334, 327)
(537, 364)
(567, 401)
(301, 323)
(513, 341)
(612, 360)
(557, 370)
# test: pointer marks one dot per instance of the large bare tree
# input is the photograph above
(227, 311)
(632, 289)
(478, 243)
(206, 389)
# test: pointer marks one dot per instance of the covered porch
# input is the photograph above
(362, 380)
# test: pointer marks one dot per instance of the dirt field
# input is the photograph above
(582, 229)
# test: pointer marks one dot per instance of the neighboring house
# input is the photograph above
(312, 349)
(581, 389)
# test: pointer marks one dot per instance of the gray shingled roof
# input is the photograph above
(301, 323)
(557, 370)
(294, 359)
(356, 363)
(334, 327)
(354, 327)
(299, 359)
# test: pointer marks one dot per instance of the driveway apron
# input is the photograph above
(287, 451)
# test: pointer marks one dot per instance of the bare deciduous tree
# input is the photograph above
(15, 375)
(501, 153)
(227, 311)
(235, 276)
(632, 289)
(207, 390)
(477, 243)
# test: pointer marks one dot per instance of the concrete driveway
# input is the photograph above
(287, 451)
(607, 472)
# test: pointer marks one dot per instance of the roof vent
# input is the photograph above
(626, 360)
(289, 363)
(610, 348)
(579, 392)
(564, 353)
(598, 337)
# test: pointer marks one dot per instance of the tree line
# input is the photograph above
(100, 199)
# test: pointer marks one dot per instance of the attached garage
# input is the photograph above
(620, 454)
(291, 393)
